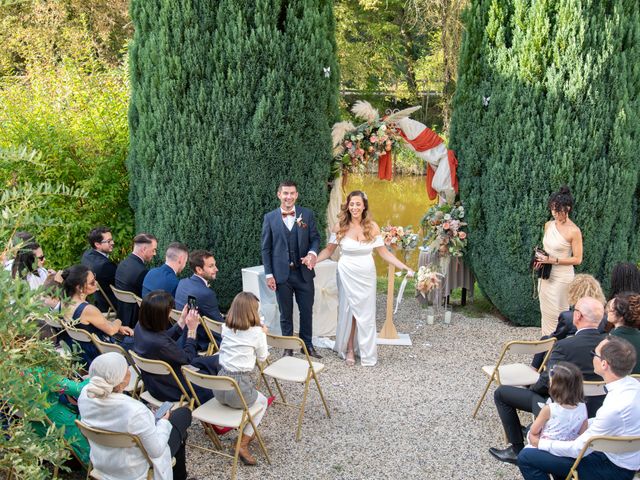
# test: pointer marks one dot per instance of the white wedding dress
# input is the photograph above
(357, 298)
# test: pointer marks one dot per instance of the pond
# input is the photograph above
(401, 202)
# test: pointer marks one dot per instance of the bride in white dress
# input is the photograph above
(357, 235)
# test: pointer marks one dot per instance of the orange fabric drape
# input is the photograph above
(427, 140)
(385, 166)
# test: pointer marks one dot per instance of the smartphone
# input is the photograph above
(192, 302)
(164, 408)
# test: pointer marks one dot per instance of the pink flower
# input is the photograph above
(462, 235)
(446, 225)
(373, 139)
(348, 144)
(359, 152)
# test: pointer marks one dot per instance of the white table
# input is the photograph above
(325, 304)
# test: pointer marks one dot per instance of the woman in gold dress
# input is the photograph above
(563, 243)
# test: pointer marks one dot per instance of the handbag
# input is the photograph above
(544, 270)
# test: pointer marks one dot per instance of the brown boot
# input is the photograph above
(244, 453)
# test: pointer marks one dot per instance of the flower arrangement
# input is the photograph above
(427, 278)
(399, 237)
(443, 229)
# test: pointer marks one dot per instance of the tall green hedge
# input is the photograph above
(228, 99)
(563, 82)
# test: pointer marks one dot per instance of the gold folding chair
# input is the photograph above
(124, 296)
(210, 326)
(593, 388)
(111, 311)
(111, 439)
(516, 374)
(174, 316)
(636, 376)
(213, 412)
(158, 367)
(293, 369)
(135, 383)
(606, 444)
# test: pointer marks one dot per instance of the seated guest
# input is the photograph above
(576, 349)
(619, 416)
(243, 340)
(204, 266)
(29, 265)
(130, 275)
(625, 278)
(156, 341)
(103, 405)
(624, 314)
(62, 395)
(97, 259)
(582, 285)
(166, 277)
(19, 239)
(78, 283)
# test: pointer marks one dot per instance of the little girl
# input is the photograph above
(564, 417)
(243, 339)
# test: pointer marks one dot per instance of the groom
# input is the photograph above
(290, 242)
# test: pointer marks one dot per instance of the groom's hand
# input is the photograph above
(309, 261)
(271, 283)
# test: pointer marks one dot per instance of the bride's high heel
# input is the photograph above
(351, 359)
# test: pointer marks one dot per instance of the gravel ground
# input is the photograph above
(407, 417)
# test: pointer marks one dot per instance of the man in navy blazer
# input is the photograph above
(97, 259)
(165, 277)
(290, 245)
(130, 275)
(197, 285)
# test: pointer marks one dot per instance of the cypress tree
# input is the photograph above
(563, 81)
(226, 103)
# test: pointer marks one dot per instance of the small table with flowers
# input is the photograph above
(456, 275)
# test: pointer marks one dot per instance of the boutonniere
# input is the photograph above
(300, 222)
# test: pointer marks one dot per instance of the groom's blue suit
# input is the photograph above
(282, 251)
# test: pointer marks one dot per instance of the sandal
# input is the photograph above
(351, 359)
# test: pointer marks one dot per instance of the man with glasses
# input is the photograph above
(97, 259)
(619, 416)
(576, 349)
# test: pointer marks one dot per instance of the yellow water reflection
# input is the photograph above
(402, 201)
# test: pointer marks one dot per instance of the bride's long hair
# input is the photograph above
(344, 217)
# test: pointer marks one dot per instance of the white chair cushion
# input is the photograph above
(515, 374)
(214, 412)
(291, 369)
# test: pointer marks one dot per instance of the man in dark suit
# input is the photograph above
(97, 259)
(204, 266)
(165, 277)
(131, 272)
(576, 349)
(290, 245)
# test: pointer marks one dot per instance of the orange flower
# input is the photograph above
(462, 235)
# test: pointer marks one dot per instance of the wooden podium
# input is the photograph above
(388, 330)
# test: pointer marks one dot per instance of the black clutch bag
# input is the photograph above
(544, 270)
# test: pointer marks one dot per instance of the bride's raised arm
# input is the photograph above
(387, 256)
(331, 245)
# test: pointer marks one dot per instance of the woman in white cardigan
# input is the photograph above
(103, 405)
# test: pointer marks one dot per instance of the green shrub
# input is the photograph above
(75, 116)
(563, 88)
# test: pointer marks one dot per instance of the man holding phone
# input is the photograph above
(203, 264)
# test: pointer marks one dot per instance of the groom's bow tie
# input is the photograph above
(292, 213)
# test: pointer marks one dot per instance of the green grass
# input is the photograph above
(477, 307)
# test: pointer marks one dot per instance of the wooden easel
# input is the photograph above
(388, 330)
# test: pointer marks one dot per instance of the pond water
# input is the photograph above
(401, 202)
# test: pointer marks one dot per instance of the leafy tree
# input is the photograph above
(77, 118)
(22, 207)
(547, 95)
(226, 103)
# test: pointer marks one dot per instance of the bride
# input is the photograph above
(358, 235)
